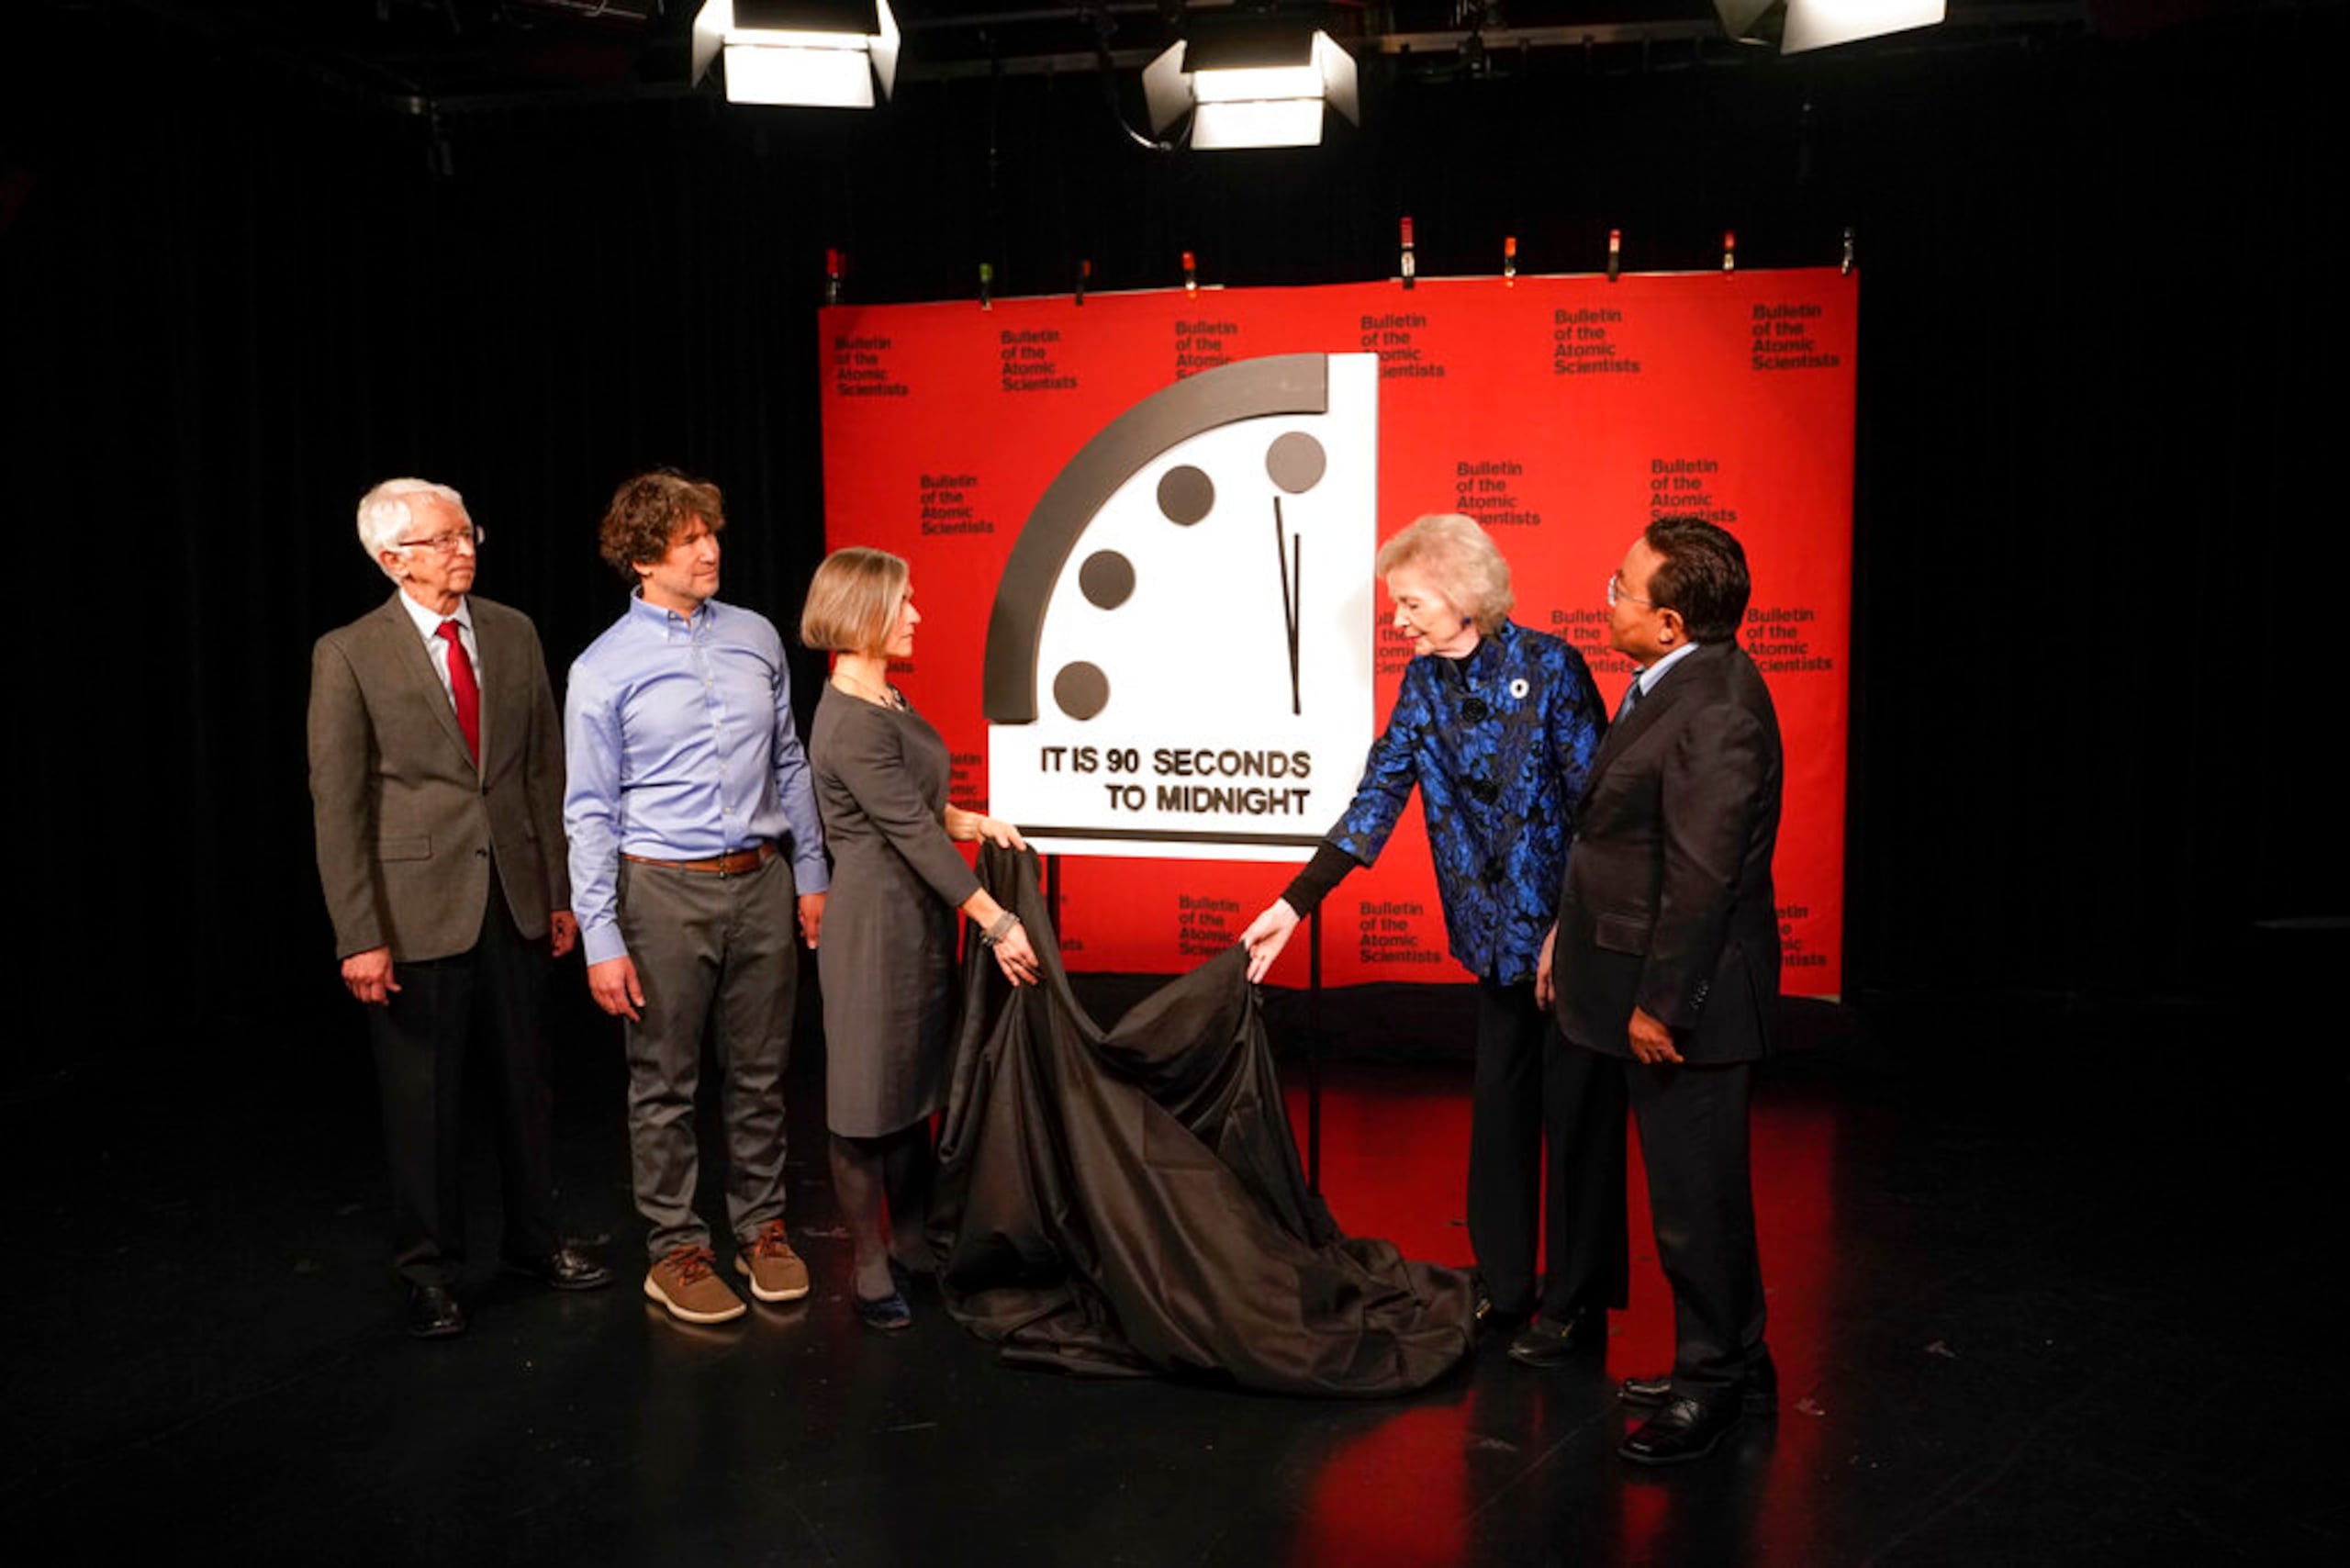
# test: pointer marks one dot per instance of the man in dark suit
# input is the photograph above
(436, 781)
(1667, 956)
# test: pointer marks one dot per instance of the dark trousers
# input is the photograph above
(718, 953)
(1693, 1146)
(477, 1010)
(1531, 1086)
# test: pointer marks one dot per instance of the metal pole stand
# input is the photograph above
(1314, 1053)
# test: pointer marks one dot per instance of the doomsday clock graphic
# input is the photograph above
(1179, 661)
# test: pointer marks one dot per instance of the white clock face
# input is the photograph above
(1180, 661)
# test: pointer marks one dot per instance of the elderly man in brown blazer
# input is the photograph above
(436, 780)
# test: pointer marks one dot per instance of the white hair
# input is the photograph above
(1462, 562)
(384, 514)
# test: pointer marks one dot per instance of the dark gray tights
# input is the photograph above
(883, 1187)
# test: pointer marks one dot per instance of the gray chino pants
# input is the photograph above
(716, 953)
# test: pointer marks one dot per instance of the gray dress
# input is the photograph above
(887, 958)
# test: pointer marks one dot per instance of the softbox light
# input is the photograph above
(827, 53)
(1252, 82)
(1799, 25)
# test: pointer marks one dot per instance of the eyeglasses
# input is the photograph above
(1616, 595)
(444, 544)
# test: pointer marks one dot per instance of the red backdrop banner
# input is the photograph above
(1563, 413)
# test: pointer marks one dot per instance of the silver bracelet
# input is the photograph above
(1000, 929)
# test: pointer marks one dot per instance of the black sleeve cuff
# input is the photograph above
(1326, 871)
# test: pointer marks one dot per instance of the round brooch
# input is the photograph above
(1517, 688)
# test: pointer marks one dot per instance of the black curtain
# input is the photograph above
(2093, 707)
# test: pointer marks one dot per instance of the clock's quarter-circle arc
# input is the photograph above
(1245, 389)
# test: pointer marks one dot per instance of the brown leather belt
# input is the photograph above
(731, 863)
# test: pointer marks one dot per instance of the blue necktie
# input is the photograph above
(1631, 699)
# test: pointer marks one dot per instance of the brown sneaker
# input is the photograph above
(687, 1285)
(774, 1269)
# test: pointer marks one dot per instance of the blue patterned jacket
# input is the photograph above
(1500, 744)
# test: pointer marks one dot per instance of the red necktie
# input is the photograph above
(463, 689)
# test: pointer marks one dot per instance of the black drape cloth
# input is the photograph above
(1129, 1201)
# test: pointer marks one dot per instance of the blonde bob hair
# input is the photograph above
(1460, 562)
(853, 601)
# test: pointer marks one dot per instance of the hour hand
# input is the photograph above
(1290, 555)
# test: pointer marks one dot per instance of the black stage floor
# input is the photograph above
(2043, 1289)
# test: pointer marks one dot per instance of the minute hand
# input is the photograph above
(1290, 555)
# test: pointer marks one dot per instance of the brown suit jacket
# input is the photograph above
(1668, 901)
(408, 828)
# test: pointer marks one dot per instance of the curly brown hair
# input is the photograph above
(648, 513)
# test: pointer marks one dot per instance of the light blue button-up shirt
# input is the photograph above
(680, 744)
(1649, 675)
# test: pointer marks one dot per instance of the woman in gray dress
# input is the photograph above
(886, 959)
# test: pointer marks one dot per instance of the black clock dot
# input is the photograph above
(1107, 579)
(1186, 495)
(1296, 462)
(1081, 689)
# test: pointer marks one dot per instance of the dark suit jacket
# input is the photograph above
(1667, 903)
(408, 828)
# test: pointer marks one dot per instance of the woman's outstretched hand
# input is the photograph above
(968, 827)
(1000, 833)
(1267, 935)
(1015, 957)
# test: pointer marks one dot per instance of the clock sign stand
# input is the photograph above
(1180, 655)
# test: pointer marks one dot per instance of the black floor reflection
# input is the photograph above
(2017, 1318)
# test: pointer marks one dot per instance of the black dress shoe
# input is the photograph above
(889, 1315)
(433, 1312)
(1682, 1431)
(1553, 1342)
(1491, 1319)
(1758, 1395)
(565, 1269)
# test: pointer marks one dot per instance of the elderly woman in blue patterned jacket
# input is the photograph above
(1497, 726)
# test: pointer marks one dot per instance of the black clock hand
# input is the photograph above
(1290, 555)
